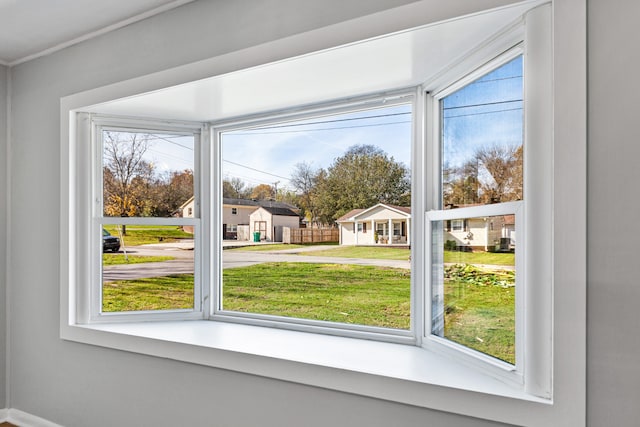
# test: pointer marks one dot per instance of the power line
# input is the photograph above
(483, 105)
(256, 170)
(316, 130)
(484, 112)
(336, 120)
(174, 158)
(497, 79)
(171, 142)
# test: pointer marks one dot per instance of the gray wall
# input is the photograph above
(613, 351)
(3, 228)
(80, 385)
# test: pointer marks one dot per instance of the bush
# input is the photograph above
(450, 245)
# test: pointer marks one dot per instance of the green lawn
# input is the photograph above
(479, 304)
(117, 259)
(480, 310)
(147, 234)
(490, 258)
(155, 293)
(372, 252)
(381, 252)
(362, 295)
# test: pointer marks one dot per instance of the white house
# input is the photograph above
(269, 221)
(381, 224)
(237, 212)
(486, 233)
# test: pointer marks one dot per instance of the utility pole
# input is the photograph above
(275, 190)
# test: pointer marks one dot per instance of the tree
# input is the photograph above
(262, 192)
(501, 182)
(169, 192)
(126, 175)
(493, 174)
(461, 185)
(304, 180)
(235, 188)
(364, 176)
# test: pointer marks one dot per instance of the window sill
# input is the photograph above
(395, 372)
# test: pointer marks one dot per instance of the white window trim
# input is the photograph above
(385, 99)
(417, 377)
(504, 370)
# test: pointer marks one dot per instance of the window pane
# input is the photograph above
(482, 135)
(473, 284)
(322, 217)
(147, 174)
(147, 267)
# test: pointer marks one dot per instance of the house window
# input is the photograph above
(234, 211)
(141, 178)
(482, 142)
(343, 177)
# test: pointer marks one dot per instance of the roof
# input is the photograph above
(350, 216)
(279, 211)
(248, 202)
(261, 203)
(185, 204)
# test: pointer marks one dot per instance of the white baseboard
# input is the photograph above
(22, 419)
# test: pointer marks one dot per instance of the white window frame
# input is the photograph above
(538, 381)
(417, 376)
(380, 100)
(90, 129)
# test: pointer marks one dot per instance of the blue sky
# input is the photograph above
(269, 154)
(484, 113)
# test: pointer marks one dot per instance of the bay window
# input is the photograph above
(468, 308)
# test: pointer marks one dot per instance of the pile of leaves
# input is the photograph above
(473, 275)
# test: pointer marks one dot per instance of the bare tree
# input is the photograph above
(235, 188)
(126, 174)
(493, 174)
(503, 181)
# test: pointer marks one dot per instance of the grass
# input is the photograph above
(117, 259)
(369, 252)
(364, 295)
(154, 293)
(489, 258)
(148, 234)
(480, 311)
(479, 304)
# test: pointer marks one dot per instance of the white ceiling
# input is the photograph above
(398, 60)
(30, 28)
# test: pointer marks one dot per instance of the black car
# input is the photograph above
(109, 242)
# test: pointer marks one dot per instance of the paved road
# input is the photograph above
(183, 262)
